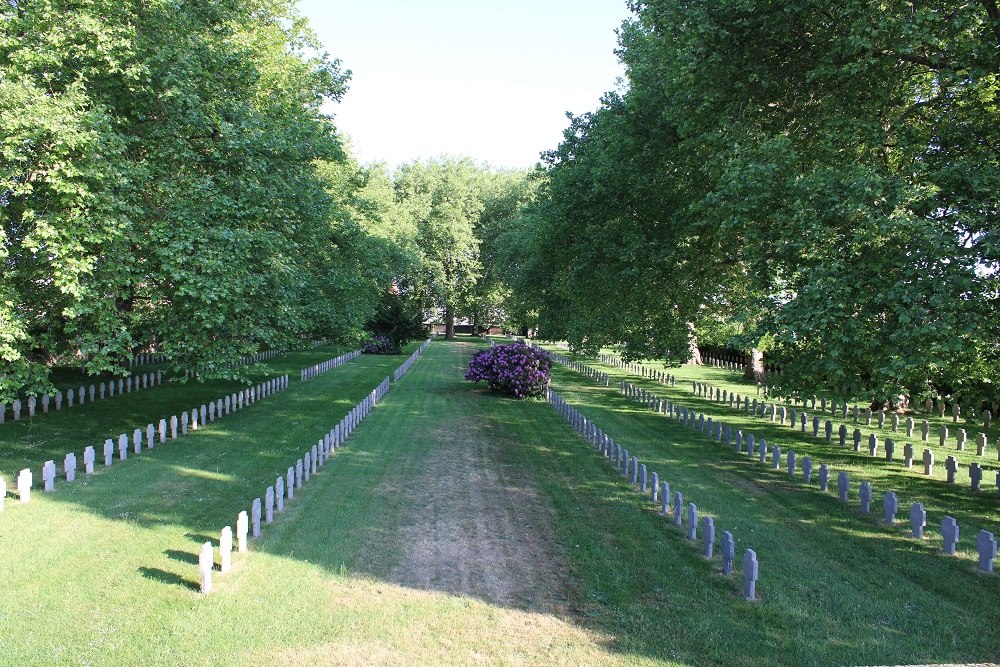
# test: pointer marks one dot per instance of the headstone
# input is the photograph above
(290, 483)
(791, 464)
(807, 469)
(856, 412)
(960, 439)
(678, 508)
(942, 435)
(173, 427)
(894, 423)
(872, 444)
(49, 476)
(824, 477)
(226, 549)
(890, 449)
(665, 497)
(980, 444)
(918, 519)
(150, 436)
(762, 453)
(865, 496)
(881, 418)
(890, 505)
(122, 447)
(975, 475)
(242, 528)
(708, 536)
(857, 439)
(24, 485)
(842, 433)
(184, 423)
(255, 512)
(775, 457)
(750, 574)
(803, 419)
(908, 455)
(728, 552)
(109, 450)
(137, 441)
(88, 460)
(925, 430)
(279, 493)
(692, 521)
(46, 399)
(951, 467)
(987, 418)
(868, 417)
(928, 462)
(986, 545)
(956, 412)
(642, 478)
(206, 562)
(655, 488)
(949, 534)
(101, 390)
(843, 486)
(909, 427)
(69, 467)
(828, 431)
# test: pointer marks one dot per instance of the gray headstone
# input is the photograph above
(951, 468)
(206, 562)
(986, 545)
(88, 460)
(908, 455)
(24, 482)
(857, 439)
(137, 441)
(279, 493)
(290, 483)
(828, 430)
(872, 444)
(890, 449)
(980, 444)
(255, 515)
(775, 457)
(894, 421)
(890, 505)
(842, 433)
(226, 549)
(122, 447)
(824, 477)
(865, 496)
(868, 417)
(918, 519)
(925, 430)
(665, 497)
(692, 521)
(843, 486)
(956, 412)
(856, 412)
(807, 469)
(655, 488)
(928, 462)
(881, 418)
(642, 478)
(815, 426)
(750, 574)
(975, 475)
(69, 467)
(942, 435)
(960, 439)
(909, 427)
(678, 508)
(242, 528)
(791, 464)
(708, 536)
(949, 534)
(150, 436)
(728, 552)
(49, 476)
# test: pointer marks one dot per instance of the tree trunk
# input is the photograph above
(755, 366)
(693, 345)
(449, 323)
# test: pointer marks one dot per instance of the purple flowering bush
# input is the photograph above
(514, 369)
(379, 345)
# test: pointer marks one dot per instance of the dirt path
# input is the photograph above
(474, 524)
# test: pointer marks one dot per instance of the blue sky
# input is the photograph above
(491, 80)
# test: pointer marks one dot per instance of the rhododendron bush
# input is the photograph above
(515, 369)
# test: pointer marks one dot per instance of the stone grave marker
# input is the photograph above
(824, 477)
(918, 519)
(122, 447)
(865, 496)
(692, 521)
(642, 478)
(255, 511)
(975, 475)
(925, 430)
(184, 423)
(762, 451)
(986, 545)
(828, 431)
(306, 465)
(909, 427)
(728, 552)
(137, 441)
(775, 457)
(101, 390)
(881, 418)
(665, 497)
(279, 493)
(960, 439)
(890, 449)
(751, 447)
(45, 404)
(49, 476)
(88, 460)
(750, 574)
(856, 413)
(708, 536)
(269, 504)
(791, 464)
(951, 467)
(868, 417)
(655, 488)
(949, 534)
(793, 418)
(803, 418)
(69, 467)
(678, 508)
(242, 528)
(857, 439)
(91, 390)
(173, 427)
(908, 455)
(226, 549)
(24, 485)
(69, 398)
(894, 422)
(987, 418)
(843, 486)
(206, 562)
(942, 435)
(16, 408)
(807, 469)
(109, 450)
(890, 505)
(150, 436)
(956, 412)
(815, 423)
(980, 444)
(842, 433)
(81, 394)
(873, 445)
(928, 462)
(290, 483)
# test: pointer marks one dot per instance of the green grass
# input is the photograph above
(103, 572)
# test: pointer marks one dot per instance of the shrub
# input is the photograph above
(379, 345)
(515, 369)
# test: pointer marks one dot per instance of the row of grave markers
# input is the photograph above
(285, 485)
(601, 377)
(593, 374)
(719, 362)
(283, 490)
(197, 417)
(781, 414)
(146, 359)
(986, 543)
(659, 494)
(405, 366)
(311, 372)
(95, 392)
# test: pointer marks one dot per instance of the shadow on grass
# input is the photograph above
(169, 578)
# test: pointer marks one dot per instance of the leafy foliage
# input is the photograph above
(513, 369)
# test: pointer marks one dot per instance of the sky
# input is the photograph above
(488, 79)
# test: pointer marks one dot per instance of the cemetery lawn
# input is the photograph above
(457, 527)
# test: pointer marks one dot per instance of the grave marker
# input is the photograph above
(88, 460)
(807, 469)
(951, 467)
(109, 450)
(122, 447)
(69, 467)
(242, 528)
(750, 574)
(949, 534)
(678, 508)
(206, 561)
(918, 519)
(843, 486)
(255, 517)
(692, 521)
(928, 462)
(975, 475)
(728, 552)
(865, 496)
(49, 476)
(986, 545)
(908, 455)
(980, 444)
(279, 493)
(24, 485)
(890, 505)
(872, 444)
(226, 549)
(708, 536)
(824, 477)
